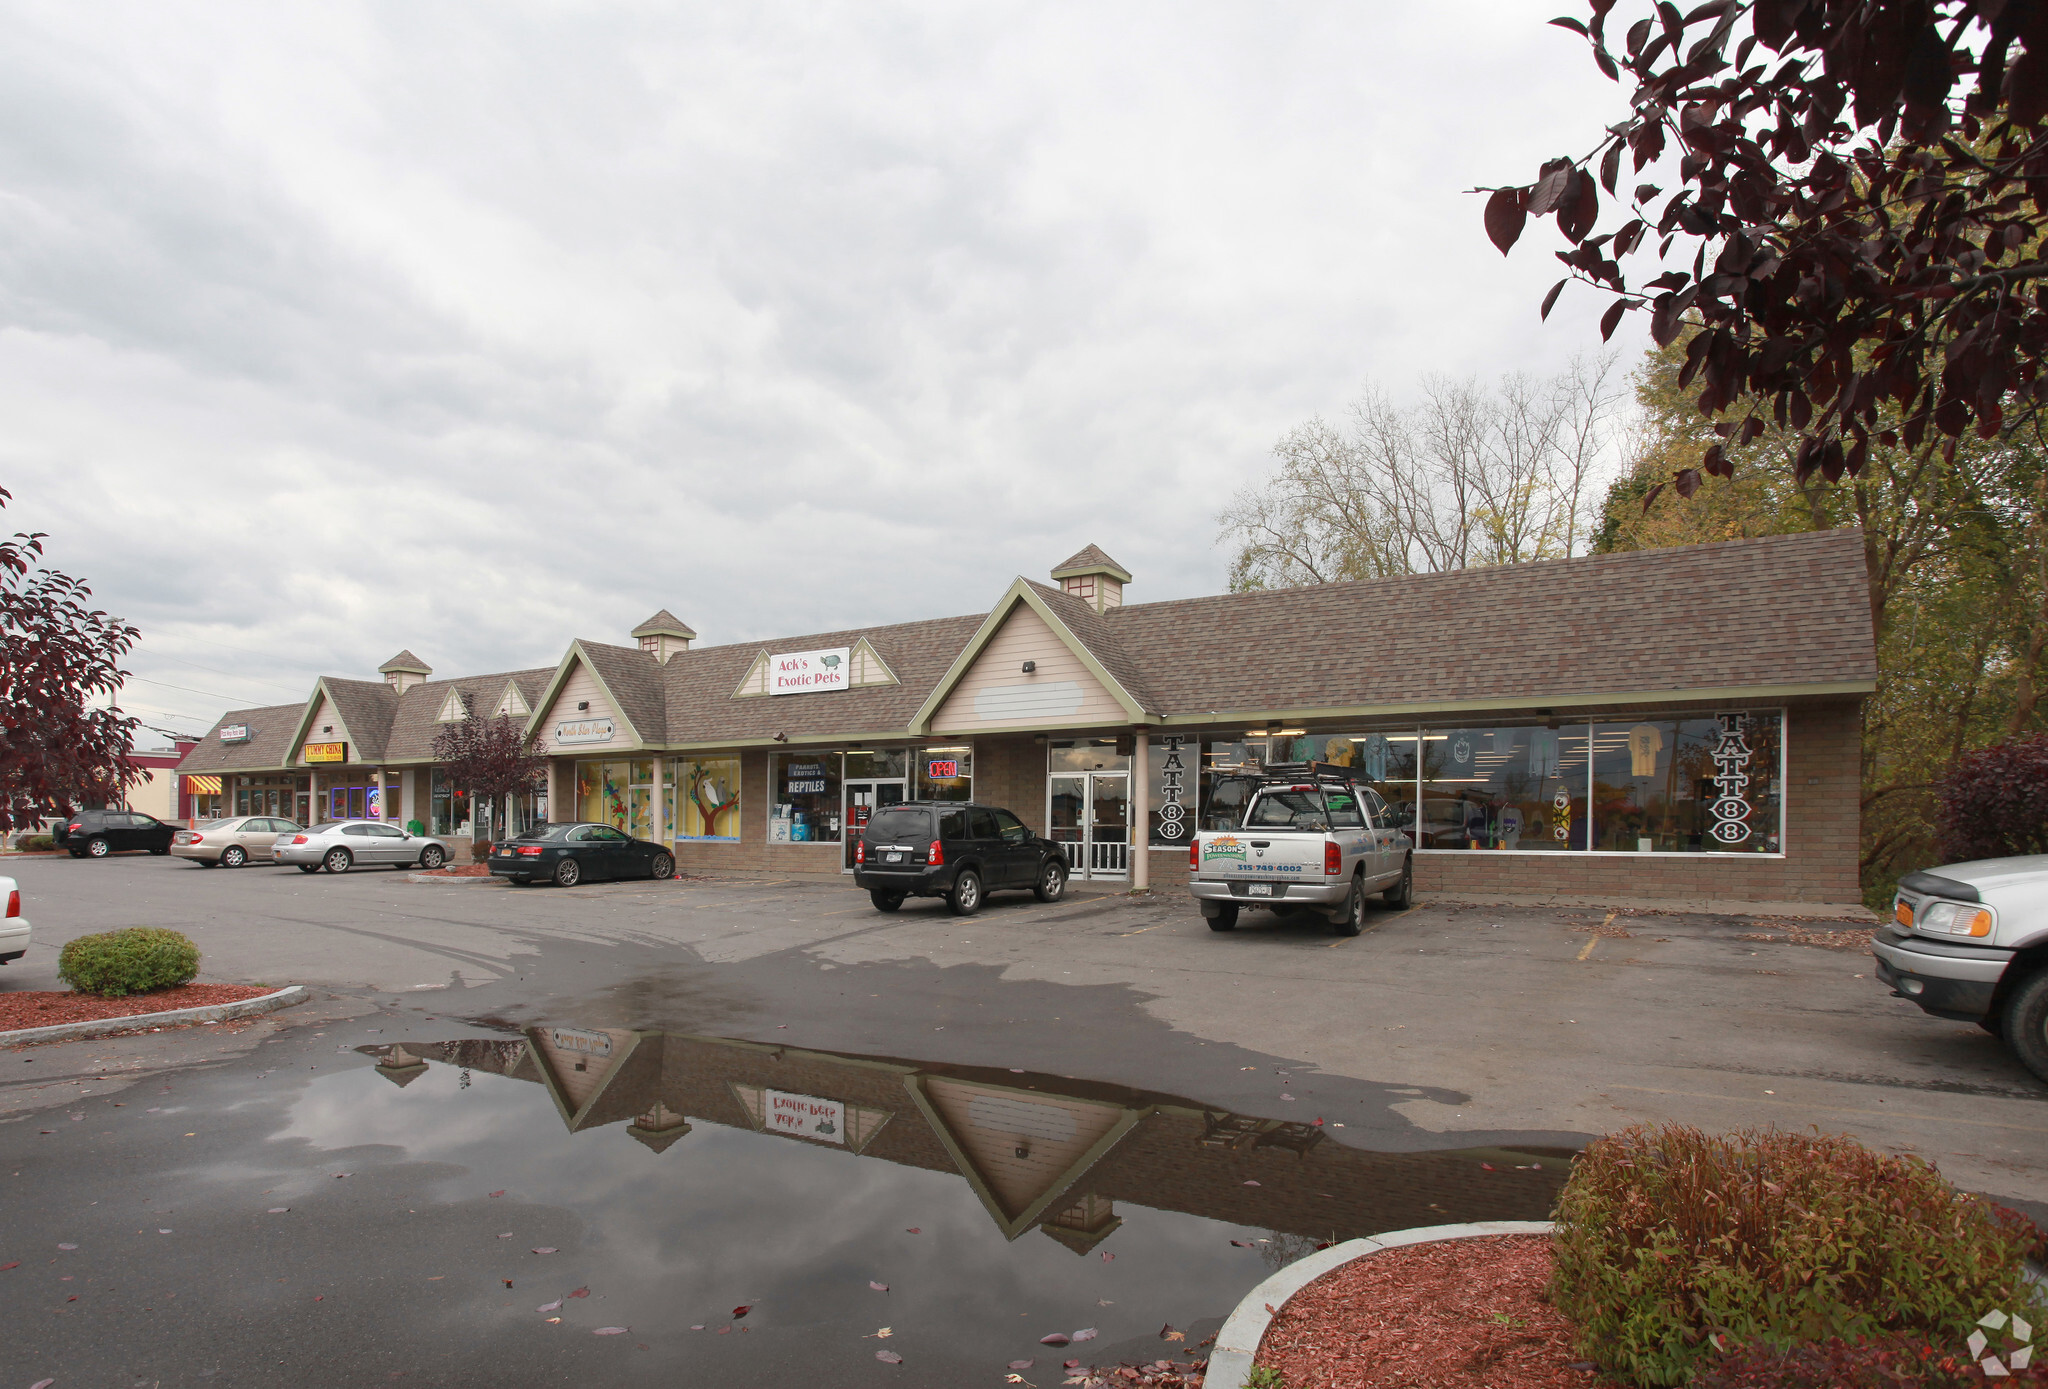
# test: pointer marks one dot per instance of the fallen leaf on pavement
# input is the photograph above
(1022, 1364)
(888, 1357)
(553, 1321)
(878, 1287)
(882, 1334)
(742, 1310)
(547, 1249)
(581, 1292)
(277, 1210)
(15, 1264)
(1058, 1338)
(67, 1246)
(1071, 1365)
(698, 1327)
(1251, 1183)
(1090, 1334)
(554, 1306)
(913, 1230)
(163, 1232)
(508, 1282)
(337, 1176)
(1107, 1256)
(1488, 1167)
(497, 1193)
(1013, 1379)
(42, 1384)
(506, 1235)
(1244, 1244)
(1167, 1333)
(611, 1331)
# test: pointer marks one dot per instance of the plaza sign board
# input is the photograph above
(800, 672)
(804, 1116)
(234, 733)
(570, 732)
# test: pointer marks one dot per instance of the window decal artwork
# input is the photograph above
(1730, 807)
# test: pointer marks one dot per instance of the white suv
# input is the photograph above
(1969, 941)
(13, 926)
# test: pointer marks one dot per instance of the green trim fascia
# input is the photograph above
(1115, 571)
(1021, 592)
(1562, 701)
(1053, 730)
(554, 689)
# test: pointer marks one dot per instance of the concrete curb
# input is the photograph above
(286, 997)
(432, 881)
(1237, 1344)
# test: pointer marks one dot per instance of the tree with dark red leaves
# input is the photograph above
(490, 759)
(1994, 803)
(1855, 222)
(56, 656)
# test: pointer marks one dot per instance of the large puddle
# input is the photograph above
(680, 1177)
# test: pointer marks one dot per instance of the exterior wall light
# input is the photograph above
(1030, 666)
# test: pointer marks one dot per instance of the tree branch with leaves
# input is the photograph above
(490, 760)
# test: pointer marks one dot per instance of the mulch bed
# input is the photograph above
(1455, 1314)
(49, 1007)
(467, 870)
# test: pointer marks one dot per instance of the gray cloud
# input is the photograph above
(325, 333)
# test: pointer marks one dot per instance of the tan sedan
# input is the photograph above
(232, 842)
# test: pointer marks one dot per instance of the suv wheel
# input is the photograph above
(97, 846)
(234, 856)
(1052, 882)
(965, 898)
(1353, 919)
(2026, 1024)
(337, 860)
(1402, 893)
(885, 901)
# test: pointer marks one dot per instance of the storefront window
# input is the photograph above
(640, 798)
(878, 764)
(450, 807)
(1701, 786)
(804, 797)
(709, 798)
(945, 774)
(601, 793)
(1519, 787)
(1087, 755)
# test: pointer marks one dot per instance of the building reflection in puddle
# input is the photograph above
(1039, 1152)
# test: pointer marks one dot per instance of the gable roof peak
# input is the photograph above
(407, 662)
(664, 622)
(1091, 560)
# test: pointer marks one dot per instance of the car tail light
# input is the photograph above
(298, 839)
(1333, 860)
(14, 901)
(195, 839)
(73, 829)
(937, 856)
(527, 850)
(860, 852)
(1194, 856)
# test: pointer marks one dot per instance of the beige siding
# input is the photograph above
(325, 715)
(755, 682)
(512, 704)
(582, 686)
(578, 1070)
(866, 666)
(992, 1126)
(995, 692)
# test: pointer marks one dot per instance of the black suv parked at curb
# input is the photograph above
(97, 833)
(955, 850)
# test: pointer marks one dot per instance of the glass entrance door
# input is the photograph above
(1089, 816)
(863, 799)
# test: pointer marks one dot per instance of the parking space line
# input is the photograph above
(1591, 941)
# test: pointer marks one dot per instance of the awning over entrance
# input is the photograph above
(203, 785)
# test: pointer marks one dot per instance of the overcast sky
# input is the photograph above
(327, 330)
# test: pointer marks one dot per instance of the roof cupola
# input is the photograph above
(404, 671)
(1094, 578)
(663, 635)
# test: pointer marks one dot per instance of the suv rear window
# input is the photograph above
(900, 825)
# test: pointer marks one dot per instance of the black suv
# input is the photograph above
(960, 852)
(97, 833)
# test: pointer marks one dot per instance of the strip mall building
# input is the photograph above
(1681, 722)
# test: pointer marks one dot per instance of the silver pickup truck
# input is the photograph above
(1310, 839)
(1969, 941)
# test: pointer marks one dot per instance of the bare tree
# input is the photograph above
(1466, 476)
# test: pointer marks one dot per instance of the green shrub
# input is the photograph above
(1673, 1246)
(137, 960)
(36, 844)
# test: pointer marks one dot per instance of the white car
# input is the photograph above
(339, 845)
(1969, 941)
(13, 926)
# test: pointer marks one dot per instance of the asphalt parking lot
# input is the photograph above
(1439, 1027)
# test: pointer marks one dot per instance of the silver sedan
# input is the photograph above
(339, 845)
(232, 842)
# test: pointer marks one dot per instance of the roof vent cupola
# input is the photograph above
(1094, 578)
(663, 635)
(404, 671)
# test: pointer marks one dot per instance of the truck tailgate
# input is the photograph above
(1263, 856)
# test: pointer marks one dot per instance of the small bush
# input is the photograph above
(135, 961)
(36, 844)
(1994, 802)
(1893, 1363)
(1671, 1245)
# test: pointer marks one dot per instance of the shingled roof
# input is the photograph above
(270, 738)
(1782, 612)
(663, 622)
(407, 662)
(1091, 560)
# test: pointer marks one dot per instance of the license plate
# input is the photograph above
(1258, 890)
(892, 858)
